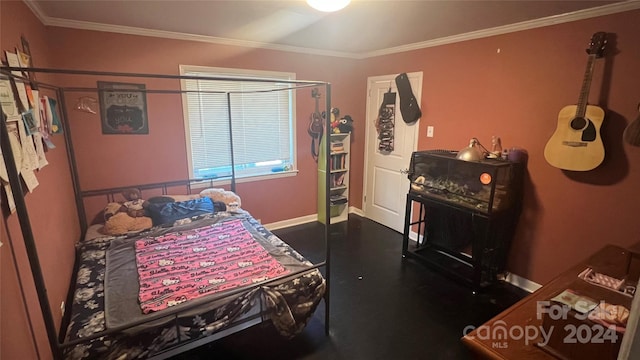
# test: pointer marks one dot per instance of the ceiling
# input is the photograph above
(364, 28)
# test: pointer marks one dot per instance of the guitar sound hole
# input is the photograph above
(578, 123)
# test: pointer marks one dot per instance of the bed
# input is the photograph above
(106, 298)
(111, 318)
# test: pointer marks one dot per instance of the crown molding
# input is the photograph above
(500, 30)
(36, 10)
(130, 30)
(85, 25)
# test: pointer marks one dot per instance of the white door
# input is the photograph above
(385, 186)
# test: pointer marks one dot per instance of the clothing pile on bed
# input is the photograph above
(135, 214)
(107, 297)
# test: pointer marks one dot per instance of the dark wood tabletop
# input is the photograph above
(485, 341)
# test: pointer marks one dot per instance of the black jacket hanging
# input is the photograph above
(409, 107)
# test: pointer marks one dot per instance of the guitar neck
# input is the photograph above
(317, 97)
(586, 85)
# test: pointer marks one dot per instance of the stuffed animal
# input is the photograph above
(231, 199)
(121, 223)
(345, 125)
(121, 218)
(333, 119)
(131, 194)
(134, 202)
(134, 208)
(341, 126)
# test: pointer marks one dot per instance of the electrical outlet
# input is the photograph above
(429, 131)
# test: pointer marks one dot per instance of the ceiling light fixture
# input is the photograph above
(328, 5)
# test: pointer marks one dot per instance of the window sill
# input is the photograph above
(201, 184)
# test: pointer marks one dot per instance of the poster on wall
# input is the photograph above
(123, 108)
(7, 101)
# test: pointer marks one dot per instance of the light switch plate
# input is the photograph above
(429, 131)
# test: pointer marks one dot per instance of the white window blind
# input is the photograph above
(262, 124)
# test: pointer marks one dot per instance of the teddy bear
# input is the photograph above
(134, 208)
(231, 199)
(134, 202)
(129, 216)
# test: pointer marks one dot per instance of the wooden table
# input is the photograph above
(611, 260)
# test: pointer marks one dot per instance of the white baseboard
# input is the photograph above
(355, 210)
(523, 283)
(305, 219)
(291, 222)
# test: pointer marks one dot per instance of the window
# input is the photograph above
(262, 123)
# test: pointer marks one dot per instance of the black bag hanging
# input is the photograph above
(409, 107)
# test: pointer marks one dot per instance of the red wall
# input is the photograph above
(52, 214)
(118, 160)
(472, 90)
(469, 90)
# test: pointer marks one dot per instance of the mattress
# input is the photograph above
(95, 232)
(107, 297)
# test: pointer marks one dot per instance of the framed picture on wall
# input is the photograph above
(123, 108)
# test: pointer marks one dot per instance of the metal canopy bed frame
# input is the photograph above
(55, 338)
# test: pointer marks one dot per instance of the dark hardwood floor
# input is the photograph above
(382, 307)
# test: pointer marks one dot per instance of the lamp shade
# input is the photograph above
(328, 5)
(471, 152)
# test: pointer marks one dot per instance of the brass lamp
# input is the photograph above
(474, 152)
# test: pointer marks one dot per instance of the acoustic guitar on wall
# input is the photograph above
(576, 143)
